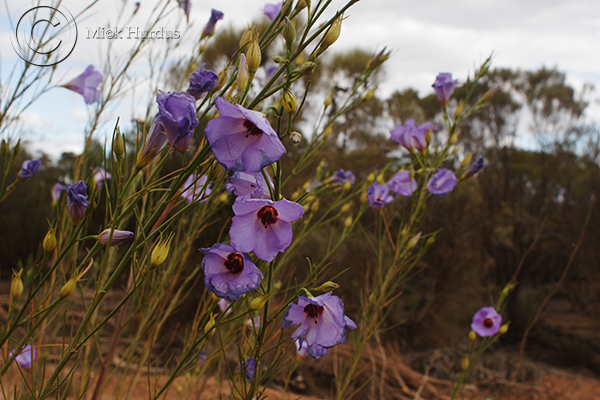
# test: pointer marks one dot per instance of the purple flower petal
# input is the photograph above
(272, 10)
(486, 322)
(77, 200)
(444, 86)
(402, 184)
(442, 182)
(177, 113)
(202, 82)
(379, 195)
(28, 169)
(87, 84)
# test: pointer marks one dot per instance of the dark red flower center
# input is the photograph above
(267, 215)
(235, 263)
(251, 129)
(313, 311)
(488, 323)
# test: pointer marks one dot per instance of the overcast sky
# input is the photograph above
(426, 37)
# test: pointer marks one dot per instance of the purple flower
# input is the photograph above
(322, 322)
(253, 323)
(442, 182)
(241, 139)
(270, 72)
(444, 86)
(475, 167)
(177, 113)
(228, 273)
(402, 184)
(342, 177)
(301, 347)
(202, 82)
(87, 84)
(215, 16)
(272, 10)
(248, 365)
(378, 195)
(249, 186)
(186, 6)
(263, 226)
(56, 191)
(412, 137)
(100, 175)
(486, 322)
(118, 237)
(224, 306)
(155, 140)
(26, 357)
(77, 199)
(28, 169)
(196, 189)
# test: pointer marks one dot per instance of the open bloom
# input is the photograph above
(486, 322)
(202, 82)
(26, 357)
(342, 177)
(379, 195)
(87, 84)
(28, 169)
(177, 115)
(475, 167)
(215, 16)
(77, 199)
(56, 192)
(249, 186)
(412, 137)
(263, 226)
(442, 182)
(444, 86)
(241, 139)
(402, 184)
(272, 10)
(228, 273)
(195, 189)
(322, 322)
(118, 237)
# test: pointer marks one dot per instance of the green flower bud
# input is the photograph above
(333, 33)
(258, 303)
(288, 101)
(69, 287)
(289, 33)
(253, 55)
(49, 243)
(16, 285)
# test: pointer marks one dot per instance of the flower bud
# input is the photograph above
(504, 328)
(466, 161)
(91, 185)
(328, 286)
(243, 74)
(327, 132)
(302, 4)
(258, 303)
(253, 55)
(288, 101)
(459, 109)
(308, 67)
(371, 178)
(414, 240)
(118, 236)
(17, 148)
(488, 95)
(161, 251)
(118, 144)
(208, 328)
(453, 139)
(348, 220)
(363, 197)
(289, 33)
(49, 243)
(347, 185)
(314, 207)
(369, 94)
(295, 137)
(328, 100)
(69, 287)
(464, 365)
(333, 33)
(16, 285)
(286, 8)
(428, 137)
(345, 208)
(277, 285)
(246, 38)
(381, 178)
(472, 336)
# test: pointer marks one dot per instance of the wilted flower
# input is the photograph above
(118, 236)
(412, 137)
(272, 10)
(202, 82)
(177, 114)
(342, 177)
(228, 273)
(475, 167)
(56, 191)
(28, 169)
(87, 84)
(444, 86)
(196, 189)
(263, 226)
(26, 356)
(77, 199)
(215, 16)
(486, 322)
(322, 322)
(249, 186)
(442, 182)
(155, 140)
(402, 184)
(248, 365)
(241, 139)
(100, 175)
(378, 195)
